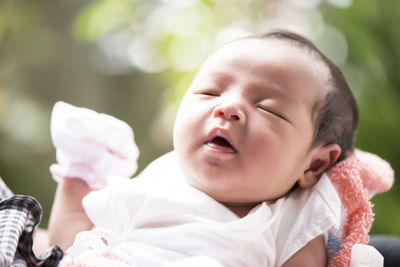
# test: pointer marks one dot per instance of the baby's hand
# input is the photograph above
(91, 146)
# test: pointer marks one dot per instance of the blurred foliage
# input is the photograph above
(371, 69)
(134, 59)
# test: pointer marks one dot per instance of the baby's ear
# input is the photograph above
(322, 158)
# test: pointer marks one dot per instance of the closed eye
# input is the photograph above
(269, 111)
(208, 92)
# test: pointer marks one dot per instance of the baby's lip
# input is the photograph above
(219, 139)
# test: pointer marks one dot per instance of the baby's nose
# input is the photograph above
(230, 113)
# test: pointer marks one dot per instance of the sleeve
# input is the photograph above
(115, 207)
(303, 215)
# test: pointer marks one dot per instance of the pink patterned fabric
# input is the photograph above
(356, 179)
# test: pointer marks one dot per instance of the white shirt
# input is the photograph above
(157, 219)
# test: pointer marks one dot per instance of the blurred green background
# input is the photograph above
(133, 59)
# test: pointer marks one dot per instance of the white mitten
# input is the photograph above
(365, 256)
(91, 146)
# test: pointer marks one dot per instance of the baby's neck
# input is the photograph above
(241, 210)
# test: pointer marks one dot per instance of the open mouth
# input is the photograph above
(220, 141)
(221, 144)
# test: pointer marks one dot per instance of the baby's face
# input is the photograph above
(244, 128)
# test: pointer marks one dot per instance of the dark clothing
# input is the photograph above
(389, 247)
(19, 216)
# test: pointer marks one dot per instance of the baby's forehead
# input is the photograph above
(274, 57)
(269, 63)
(262, 47)
(289, 46)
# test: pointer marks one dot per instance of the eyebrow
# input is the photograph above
(219, 76)
(275, 90)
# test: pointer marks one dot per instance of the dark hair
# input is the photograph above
(336, 116)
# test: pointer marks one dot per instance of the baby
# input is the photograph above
(265, 117)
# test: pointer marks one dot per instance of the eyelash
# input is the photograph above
(208, 93)
(272, 112)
